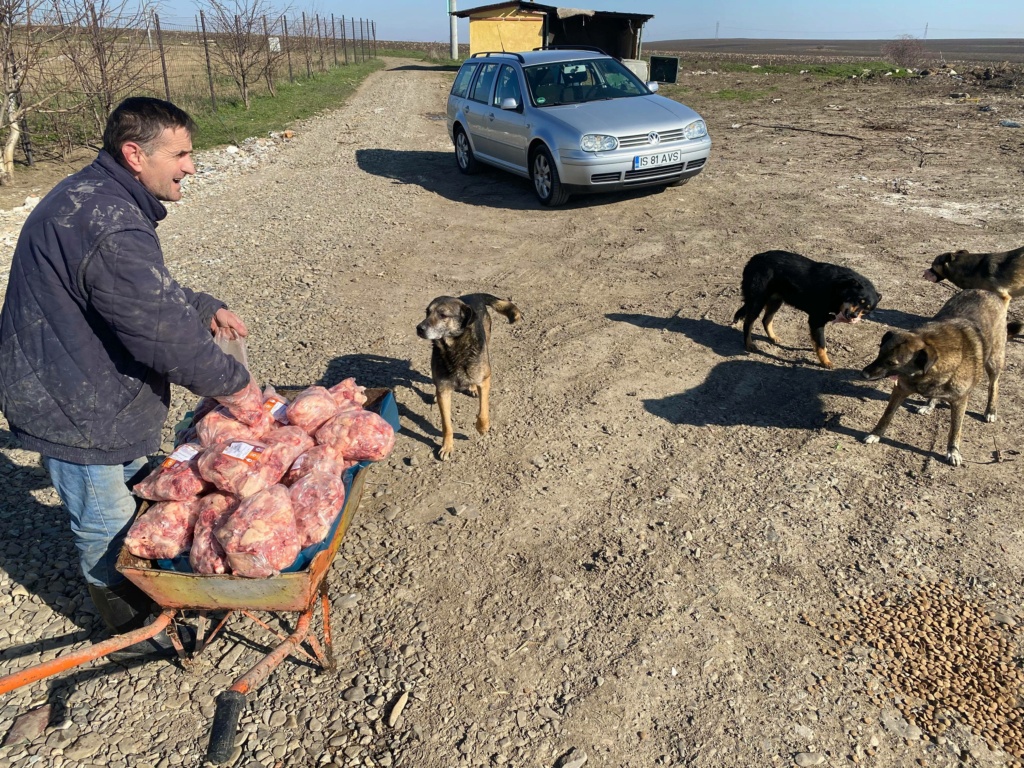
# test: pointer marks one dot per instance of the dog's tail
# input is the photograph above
(1014, 328)
(502, 306)
(740, 313)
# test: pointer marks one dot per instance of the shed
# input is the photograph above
(522, 26)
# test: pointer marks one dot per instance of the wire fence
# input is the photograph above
(82, 70)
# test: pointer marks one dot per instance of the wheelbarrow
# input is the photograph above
(297, 590)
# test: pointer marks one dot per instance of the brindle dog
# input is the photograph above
(460, 331)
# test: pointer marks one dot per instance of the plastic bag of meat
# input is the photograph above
(311, 408)
(203, 407)
(176, 479)
(319, 458)
(348, 394)
(241, 467)
(260, 537)
(359, 435)
(219, 426)
(316, 500)
(164, 530)
(207, 555)
(274, 412)
(246, 404)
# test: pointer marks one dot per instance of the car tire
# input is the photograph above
(464, 153)
(544, 176)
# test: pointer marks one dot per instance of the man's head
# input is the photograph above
(153, 140)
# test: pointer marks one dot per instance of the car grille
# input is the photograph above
(604, 178)
(696, 164)
(640, 139)
(655, 172)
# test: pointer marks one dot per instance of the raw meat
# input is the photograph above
(286, 445)
(321, 458)
(176, 479)
(317, 499)
(246, 405)
(359, 435)
(260, 537)
(164, 530)
(273, 415)
(207, 555)
(311, 408)
(219, 426)
(240, 467)
(348, 394)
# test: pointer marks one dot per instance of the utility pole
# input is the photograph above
(455, 30)
(925, 31)
(716, 30)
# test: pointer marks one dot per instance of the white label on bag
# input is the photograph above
(245, 451)
(277, 407)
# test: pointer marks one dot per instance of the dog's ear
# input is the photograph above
(468, 315)
(886, 338)
(924, 360)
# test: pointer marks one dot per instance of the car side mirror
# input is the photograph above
(509, 103)
(652, 87)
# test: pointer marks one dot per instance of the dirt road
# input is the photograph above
(620, 567)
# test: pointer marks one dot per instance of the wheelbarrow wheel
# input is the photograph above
(225, 726)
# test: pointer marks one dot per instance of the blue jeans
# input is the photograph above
(99, 502)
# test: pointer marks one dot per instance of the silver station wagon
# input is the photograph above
(571, 121)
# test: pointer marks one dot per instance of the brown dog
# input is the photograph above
(944, 359)
(460, 330)
(987, 271)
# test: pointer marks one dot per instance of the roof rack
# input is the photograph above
(484, 54)
(593, 48)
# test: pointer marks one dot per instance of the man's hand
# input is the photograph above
(227, 324)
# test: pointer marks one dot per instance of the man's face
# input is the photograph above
(170, 161)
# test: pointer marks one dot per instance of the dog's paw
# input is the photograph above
(870, 438)
(954, 457)
(923, 410)
(445, 452)
(990, 416)
(482, 425)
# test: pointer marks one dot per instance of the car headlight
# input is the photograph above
(598, 142)
(695, 130)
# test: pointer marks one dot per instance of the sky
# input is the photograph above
(427, 20)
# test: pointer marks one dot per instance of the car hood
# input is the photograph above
(637, 114)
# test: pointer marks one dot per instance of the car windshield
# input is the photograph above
(576, 82)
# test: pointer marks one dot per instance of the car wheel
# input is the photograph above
(546, 183)
(464, 153)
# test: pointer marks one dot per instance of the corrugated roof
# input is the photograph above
(553, 10)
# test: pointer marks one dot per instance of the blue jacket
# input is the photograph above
(94, 329)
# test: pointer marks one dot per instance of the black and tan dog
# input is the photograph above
(460, 330)
(826, 292)
(988, 271)
(944, 360)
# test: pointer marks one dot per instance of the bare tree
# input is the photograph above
(107, 47)
(905, 51)
(242, 40)
(26, 34)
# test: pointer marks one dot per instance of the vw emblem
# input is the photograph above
(653, 138)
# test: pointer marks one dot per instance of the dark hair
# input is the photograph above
(141, 119)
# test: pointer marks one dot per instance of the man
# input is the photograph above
(94, 330)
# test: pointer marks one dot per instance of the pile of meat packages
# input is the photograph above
(258, 479)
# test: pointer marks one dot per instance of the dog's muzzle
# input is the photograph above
(932, 276)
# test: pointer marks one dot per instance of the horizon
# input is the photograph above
(428, 22)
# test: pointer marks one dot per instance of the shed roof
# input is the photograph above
(562, 13)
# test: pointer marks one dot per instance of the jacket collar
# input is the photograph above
(153, 209)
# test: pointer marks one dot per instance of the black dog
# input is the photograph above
(826, 292)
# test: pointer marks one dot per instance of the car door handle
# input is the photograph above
(490, 116)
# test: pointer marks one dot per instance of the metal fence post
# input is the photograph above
(270, 59)
(373, 31)
(305, 46)
(355, 44)
(362, 38)
(344, 40)
(209, 66)
(288, 49)
(320, 44)
(334, 39)
(163, 58)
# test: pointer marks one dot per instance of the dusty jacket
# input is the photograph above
(94, 329)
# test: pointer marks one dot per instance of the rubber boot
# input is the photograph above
(125, 608)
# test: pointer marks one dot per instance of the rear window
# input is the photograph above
(463, 79)
(482, 86)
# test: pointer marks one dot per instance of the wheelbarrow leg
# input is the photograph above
(325, 601)
(91, 653)
(231, 702)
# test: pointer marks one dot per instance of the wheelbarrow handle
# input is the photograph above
(225, 726)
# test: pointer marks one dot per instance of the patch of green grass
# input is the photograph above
(232, 123)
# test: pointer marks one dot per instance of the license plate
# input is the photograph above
(662, 158)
